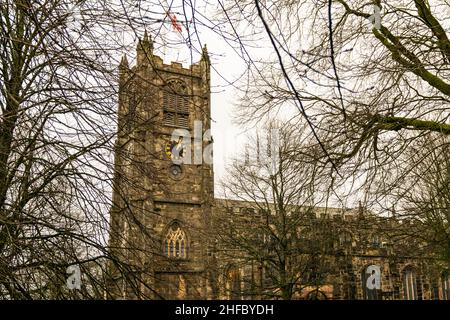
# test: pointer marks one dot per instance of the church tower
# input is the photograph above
(163, 184)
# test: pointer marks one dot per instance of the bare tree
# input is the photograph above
(422, 195)
(369, 94)
(58, 125)
(57, 105)
(274, 225)
(364, 90)
(368, 80)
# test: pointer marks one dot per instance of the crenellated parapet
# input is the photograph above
(146, 59)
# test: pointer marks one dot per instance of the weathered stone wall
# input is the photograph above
(375, 241)
(148, 197)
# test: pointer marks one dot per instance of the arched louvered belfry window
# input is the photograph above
(176, 104)
(175, 242)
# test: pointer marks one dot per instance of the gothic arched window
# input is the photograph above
(345, 238)
(409, 284)
(176, 104)
(375, 241)
(445, 286)
(233, 283)
(175, 242)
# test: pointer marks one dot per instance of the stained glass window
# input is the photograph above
(175, 243)
(409, 284)
(445, 286)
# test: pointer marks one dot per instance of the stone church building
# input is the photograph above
(161, 216)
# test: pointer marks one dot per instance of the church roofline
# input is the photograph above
(330, 211)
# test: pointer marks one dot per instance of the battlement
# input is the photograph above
(176, 67)
(146, 59)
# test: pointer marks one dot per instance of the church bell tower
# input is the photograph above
(163, 183)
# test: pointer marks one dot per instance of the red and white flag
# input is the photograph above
(175, 24)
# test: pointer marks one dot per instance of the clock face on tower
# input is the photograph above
(176, 172)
